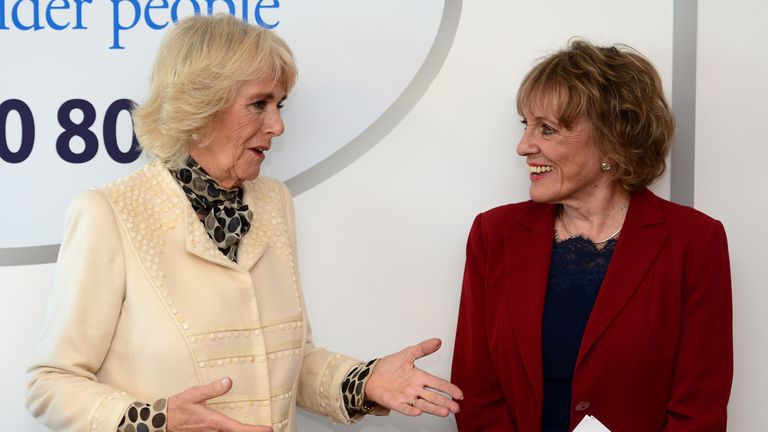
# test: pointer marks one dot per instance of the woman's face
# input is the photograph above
(564, 164)
(243, 133)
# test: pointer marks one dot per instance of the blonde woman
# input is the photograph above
(177, 304)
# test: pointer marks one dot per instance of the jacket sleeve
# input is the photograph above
(322, 372)
(701, 383)
(63, 392)
(483, 407)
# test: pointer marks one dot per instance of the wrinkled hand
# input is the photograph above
(187, 411)
(396, 383)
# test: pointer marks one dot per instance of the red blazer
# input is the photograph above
(657, 352)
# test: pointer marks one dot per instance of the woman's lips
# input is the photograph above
(259, 151)
(539, 171)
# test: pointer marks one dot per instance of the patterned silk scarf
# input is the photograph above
(227, 218)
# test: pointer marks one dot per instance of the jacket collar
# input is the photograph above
(528, 252)
(251, 246)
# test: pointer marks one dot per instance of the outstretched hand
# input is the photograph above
(396, 383)
(187, 411)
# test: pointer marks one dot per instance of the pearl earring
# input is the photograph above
(605, 166)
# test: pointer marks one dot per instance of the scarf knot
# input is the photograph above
(226, 217)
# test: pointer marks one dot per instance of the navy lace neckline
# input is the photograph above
(577, 260)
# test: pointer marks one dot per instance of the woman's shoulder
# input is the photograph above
(504, 215)
(494, 223)
(100, 199)
(92, 201)
(683, 217)
(153, 176)
(264, 182)
(512, 209)
(146, 195)
(267, 192)
(266, 187)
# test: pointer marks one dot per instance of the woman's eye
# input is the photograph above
(547, 130)
(525, 123)
(280, 105)
(259, 105)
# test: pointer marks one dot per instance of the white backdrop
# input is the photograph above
(404, 208)
(731, 182)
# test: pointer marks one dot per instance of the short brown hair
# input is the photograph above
(620, 93)
(199, 67)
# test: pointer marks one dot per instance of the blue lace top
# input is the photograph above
(575, 275)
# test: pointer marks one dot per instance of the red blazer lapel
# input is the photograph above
(641, 239)
(528, 251)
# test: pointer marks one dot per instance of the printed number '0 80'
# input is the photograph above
(71, 129)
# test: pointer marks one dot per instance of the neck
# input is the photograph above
(598, 216)
(203, 155)
(223, 179)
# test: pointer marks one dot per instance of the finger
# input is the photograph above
(438, 400)
(400, 402)
(209, 391)
(222, 423)
(442, 385)
(405, 407)
(425, 406)
(424, 348)
(251, 428)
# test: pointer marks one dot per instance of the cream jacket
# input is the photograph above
(146, 306)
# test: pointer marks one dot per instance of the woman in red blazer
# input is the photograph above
(595, 297)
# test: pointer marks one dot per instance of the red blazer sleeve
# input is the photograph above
(704, 368)
(483, 407)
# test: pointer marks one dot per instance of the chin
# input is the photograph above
(543, 201)
(250, 176)
(545, 198)
(251, 171)
(538, 196)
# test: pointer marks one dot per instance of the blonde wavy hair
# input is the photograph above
(199, 68)
(620, 93)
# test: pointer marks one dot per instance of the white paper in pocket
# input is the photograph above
(591, 424)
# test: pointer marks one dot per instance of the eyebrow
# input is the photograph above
(540, 119)
(268, 96)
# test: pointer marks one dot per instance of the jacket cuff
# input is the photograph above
(320, 385)
(109, 411)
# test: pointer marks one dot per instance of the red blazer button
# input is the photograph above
(582, 406)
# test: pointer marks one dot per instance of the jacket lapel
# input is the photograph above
(200, 244)
(250, 248)
(528, 250)
(641, 239)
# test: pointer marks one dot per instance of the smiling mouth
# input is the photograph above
(537, 170)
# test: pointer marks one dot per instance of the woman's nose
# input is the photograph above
(274, 123)
(525, 146)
